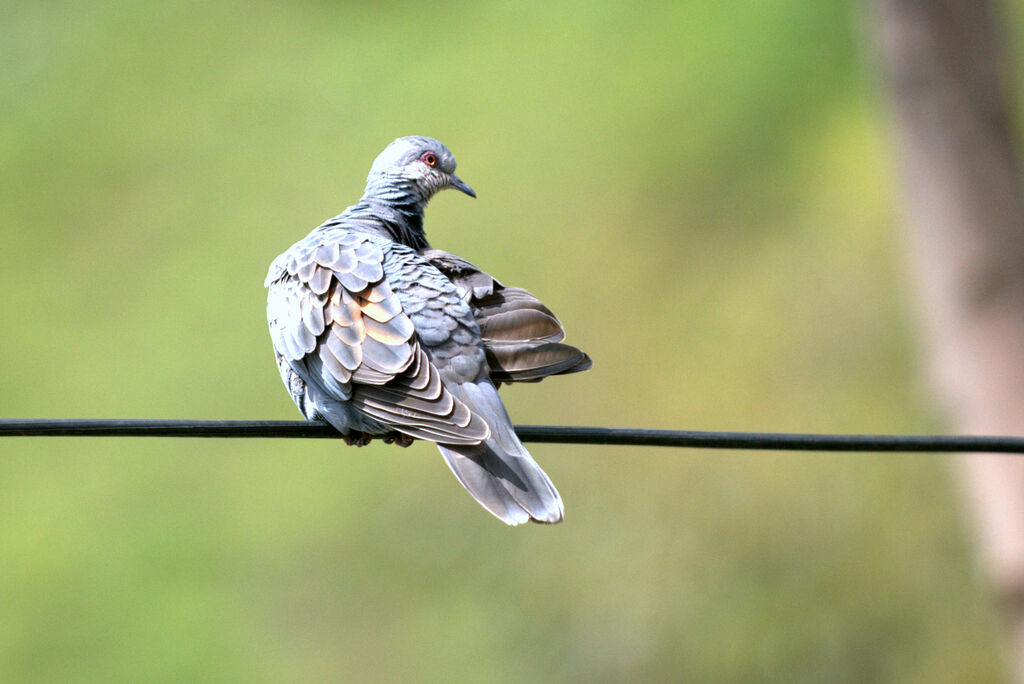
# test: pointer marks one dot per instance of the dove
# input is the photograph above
(378, 334)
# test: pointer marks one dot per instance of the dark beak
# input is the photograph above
(459, 185)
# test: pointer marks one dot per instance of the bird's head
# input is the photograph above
(421, 164)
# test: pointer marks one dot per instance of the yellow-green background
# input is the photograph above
(703, 191)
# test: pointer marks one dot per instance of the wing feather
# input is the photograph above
(382, 311)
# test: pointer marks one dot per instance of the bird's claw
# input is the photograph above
(358, 439)
(399, 439)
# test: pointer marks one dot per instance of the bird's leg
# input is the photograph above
(356, 438)
(399, 439)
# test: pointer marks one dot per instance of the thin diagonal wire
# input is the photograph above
(553, 434)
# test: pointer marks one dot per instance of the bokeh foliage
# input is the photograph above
(702, 191)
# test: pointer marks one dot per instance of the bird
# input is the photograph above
(382, 336)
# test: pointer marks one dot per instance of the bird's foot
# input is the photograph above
(399, 439)
(359, 439)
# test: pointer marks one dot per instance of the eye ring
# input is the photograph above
(429, 158)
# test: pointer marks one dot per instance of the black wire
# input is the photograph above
(553, 434)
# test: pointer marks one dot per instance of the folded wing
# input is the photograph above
(337, 323)
(522, 338)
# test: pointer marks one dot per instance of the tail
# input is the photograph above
(500, 473)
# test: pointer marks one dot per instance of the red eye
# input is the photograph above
(430, 159)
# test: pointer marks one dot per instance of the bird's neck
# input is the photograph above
(399, 207)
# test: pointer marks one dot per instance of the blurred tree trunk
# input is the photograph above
(946, 73)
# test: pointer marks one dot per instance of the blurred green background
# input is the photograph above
(703, 192)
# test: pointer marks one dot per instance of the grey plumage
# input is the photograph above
(375, 332)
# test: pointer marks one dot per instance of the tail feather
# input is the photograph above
(500, 473)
